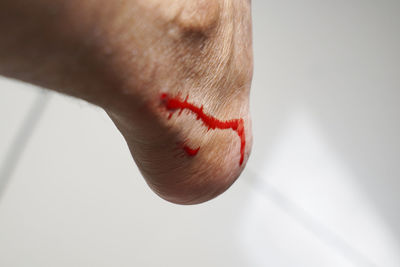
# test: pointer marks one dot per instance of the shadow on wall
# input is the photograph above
(17, 146)
(343, 66)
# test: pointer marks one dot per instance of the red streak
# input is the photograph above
(237, 125)
(191, 152)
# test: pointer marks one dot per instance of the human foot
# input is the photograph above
(174, 76)
(191, 135)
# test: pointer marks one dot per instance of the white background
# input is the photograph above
(322, 187)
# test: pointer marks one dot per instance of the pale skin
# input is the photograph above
(122, 55)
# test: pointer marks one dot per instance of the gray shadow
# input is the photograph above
(21, 139)
(342, 63)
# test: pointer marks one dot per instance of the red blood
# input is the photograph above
(191, 152)
(175, 103)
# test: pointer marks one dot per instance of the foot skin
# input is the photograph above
(191, 134)
(173, 75)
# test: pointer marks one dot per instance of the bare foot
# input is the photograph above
(195, 132)
(175, 78)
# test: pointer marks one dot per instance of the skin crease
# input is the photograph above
(121, 55)
(173, 104)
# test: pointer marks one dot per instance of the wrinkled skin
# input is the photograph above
(122, 54)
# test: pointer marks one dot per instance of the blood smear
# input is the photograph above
(175, 103)
(191, 152)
